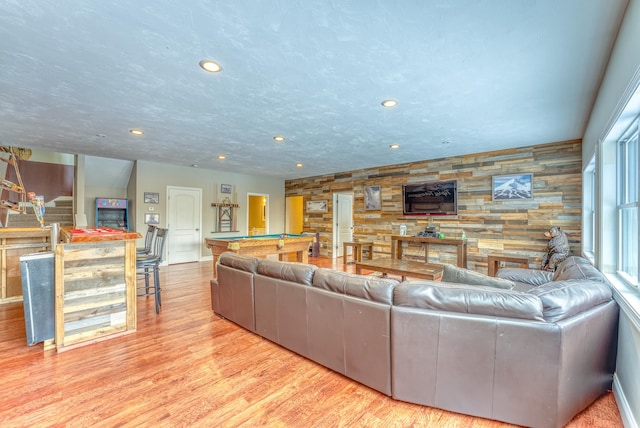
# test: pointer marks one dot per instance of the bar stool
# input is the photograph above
(150, 263)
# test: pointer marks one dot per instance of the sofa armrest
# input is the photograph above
(215, 299)
(532, 277)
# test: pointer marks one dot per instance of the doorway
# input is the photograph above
(342, 222)
(294, 215)
(184, 241)
(257, 214)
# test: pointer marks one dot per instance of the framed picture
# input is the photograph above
(372, 199)
(316, 206)
(151, 218)
(225, 188)
(512, 187)
(151, 198)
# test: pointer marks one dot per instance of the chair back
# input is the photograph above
(158, 244)
(148, 238)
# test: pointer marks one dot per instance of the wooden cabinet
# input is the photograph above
(16, 242)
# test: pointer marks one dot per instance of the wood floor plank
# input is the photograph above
(185, 367)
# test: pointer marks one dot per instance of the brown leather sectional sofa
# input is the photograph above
(535, 355)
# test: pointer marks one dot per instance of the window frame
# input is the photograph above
(628, 200)
(590, 211)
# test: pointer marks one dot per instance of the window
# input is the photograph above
(589, 210)
(628, 204)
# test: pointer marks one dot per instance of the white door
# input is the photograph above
(184, 242)
(343, 221)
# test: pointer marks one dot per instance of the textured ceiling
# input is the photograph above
(77, 75)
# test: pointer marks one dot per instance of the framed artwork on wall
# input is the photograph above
(512, 187)
(316, 206)
(151, 218)
(151, 198)
(225, 188)
(372, 198)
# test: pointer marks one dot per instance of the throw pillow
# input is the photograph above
(460, 275)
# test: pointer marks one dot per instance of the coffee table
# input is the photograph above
(404, 268)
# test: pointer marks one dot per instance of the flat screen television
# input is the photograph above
(430, 198)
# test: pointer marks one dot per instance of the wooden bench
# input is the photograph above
(404, 268)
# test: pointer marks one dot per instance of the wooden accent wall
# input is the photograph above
(513, 227)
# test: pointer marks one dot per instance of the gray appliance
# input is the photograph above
(37, 271)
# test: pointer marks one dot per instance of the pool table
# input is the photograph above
(261, 246)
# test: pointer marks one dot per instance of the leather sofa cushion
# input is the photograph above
(564, 299)
(577, 268)
(365, 287)
(469, 299)
(301, 273)
(460, 275)
(239, 261)
(531, 277)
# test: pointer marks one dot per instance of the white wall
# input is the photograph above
(155, 177)
(617, 86)
(620, 81)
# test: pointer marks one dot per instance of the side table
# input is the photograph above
(493, 262)
(357, 250)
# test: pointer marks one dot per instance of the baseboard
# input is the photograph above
(623, 405)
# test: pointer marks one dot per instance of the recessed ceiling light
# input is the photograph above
(394, 146)
(299, 164)
(389, 103)
(195, 165)
(278, 138)
(222, 157)
(210, 66)
(136, 131)
(446, 142)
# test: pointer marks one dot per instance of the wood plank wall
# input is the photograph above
(513, 227)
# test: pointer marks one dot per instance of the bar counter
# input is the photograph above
(95, 285)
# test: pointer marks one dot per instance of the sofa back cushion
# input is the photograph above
(469, 299)
(365, 287)
(525, 278)
(577, 268)
(458, 275)
(563, 299)
(301, 273)
(239, 261)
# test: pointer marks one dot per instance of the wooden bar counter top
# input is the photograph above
(97, 234)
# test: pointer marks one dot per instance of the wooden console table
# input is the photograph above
(404, 268)
(493, 262)
(357, 250)
(460, 244)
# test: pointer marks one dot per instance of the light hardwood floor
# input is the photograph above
(188, 368)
